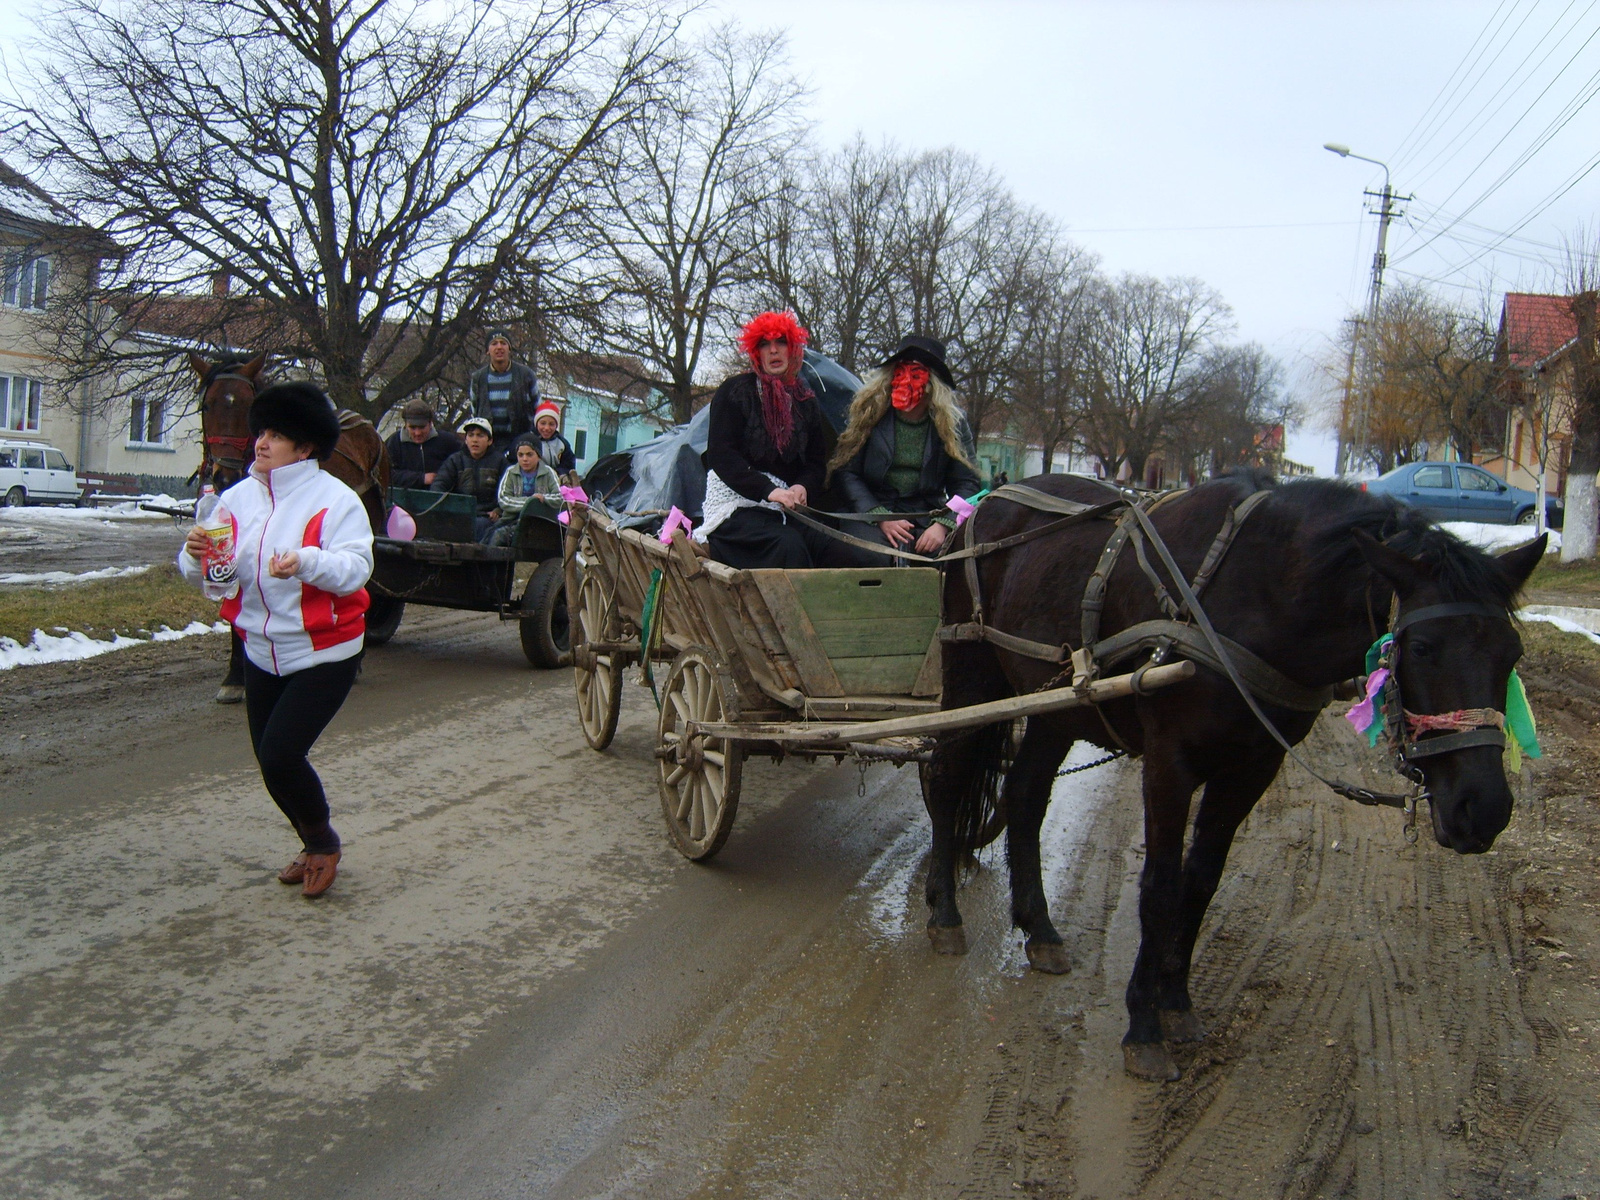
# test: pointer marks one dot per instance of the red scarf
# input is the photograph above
(778, 398)
(908, 385)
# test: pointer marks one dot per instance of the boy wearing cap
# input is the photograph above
(504, 393)
(474, 471)
(553, 449)
(417, 450)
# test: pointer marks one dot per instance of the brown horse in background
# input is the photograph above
(227, 389)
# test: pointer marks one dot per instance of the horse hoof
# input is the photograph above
(1181, 1026)
(948, 939)
(230, 693)
(1049, 957)
(1150, 1061)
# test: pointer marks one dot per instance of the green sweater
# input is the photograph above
(910, 448)
(512, 501)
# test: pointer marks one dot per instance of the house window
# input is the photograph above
(24, 281)
(147, 422)
(580, 443)
(20, 401)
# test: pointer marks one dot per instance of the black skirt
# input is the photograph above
(755, 538)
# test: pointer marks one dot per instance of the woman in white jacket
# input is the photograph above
(303, 557)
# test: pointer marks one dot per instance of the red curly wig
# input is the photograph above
(774, 327)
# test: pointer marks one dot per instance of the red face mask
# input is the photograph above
(908, 385)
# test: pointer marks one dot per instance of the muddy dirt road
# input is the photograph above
(517, 989)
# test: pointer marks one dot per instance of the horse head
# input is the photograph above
(1454, 649)
(227, 389)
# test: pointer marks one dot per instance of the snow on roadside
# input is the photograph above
(1497, 537)
(128, 510)
(70, 647)
(52, 578)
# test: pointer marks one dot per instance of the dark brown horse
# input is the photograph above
(227, 389)
(1307, 586)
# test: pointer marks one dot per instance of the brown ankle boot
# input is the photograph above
(320, 872)
(295, 872)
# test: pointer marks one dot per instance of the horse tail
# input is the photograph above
(979, 815)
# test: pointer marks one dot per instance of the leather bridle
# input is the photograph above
(1458, 730)
(242, 454)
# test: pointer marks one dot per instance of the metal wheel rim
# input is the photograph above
(596, 689)
(699, 796)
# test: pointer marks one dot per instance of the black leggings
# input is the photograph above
(287, 714)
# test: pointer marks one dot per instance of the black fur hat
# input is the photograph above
(300, 411)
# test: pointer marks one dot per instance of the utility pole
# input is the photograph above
(1361, 431)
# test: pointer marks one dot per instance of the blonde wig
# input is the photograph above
(873, 400)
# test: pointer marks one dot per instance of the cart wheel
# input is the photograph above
(383, 618)
(546, 637)
(699, 775)
(599, 686)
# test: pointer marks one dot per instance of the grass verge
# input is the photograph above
(132, 606)
(1556, 582)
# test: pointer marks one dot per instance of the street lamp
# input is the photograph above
(1374, 295)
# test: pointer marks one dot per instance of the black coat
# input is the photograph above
(739, 450)
(865, 478)
(409, 461)
(475, 477)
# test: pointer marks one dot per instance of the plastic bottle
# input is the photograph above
(211, 514)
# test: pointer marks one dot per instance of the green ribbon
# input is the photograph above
(1524, 737)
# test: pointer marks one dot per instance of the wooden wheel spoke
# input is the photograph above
(715, 758)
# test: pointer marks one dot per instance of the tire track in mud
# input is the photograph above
(1368, 1032)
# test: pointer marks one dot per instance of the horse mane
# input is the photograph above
(1331, 512)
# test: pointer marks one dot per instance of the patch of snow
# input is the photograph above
(128, 510)
(1561, 623)
(1497, 537)
(47, 648)
(52, 578)
(1589, 618)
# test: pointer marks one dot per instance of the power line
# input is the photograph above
(1400, 150)
(1210, 228)
(1448, 152)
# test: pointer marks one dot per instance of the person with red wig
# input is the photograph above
(766, 451)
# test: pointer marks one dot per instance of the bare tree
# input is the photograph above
(376, 180)
(1053, 369)
(1238, 411)
(676, 239)
(1152, 358)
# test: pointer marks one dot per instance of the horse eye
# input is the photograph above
(1420, 648)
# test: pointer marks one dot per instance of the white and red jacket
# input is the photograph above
(317, 616)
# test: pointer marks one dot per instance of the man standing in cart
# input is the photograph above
(504, 393)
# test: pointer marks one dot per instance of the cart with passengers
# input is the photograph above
(836, 663)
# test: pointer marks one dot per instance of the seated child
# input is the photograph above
(552, 447)
(529, 476)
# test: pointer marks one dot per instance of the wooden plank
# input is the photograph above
(817, 676)
(930, 680)
(849, 594)
(875, 636)
(1098, 692)
(881, 675)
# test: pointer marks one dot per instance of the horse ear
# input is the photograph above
(198, 365)
(253, 368)
(1405, 573)
(1518, 564)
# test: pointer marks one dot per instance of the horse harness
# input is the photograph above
(1187, 630)
(242, 447)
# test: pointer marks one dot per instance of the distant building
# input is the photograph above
(605, 408)
(1533, 354)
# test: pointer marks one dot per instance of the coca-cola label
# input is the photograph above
(219, 570)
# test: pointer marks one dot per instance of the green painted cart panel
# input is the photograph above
(873, 626)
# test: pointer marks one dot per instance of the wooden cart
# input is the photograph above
(819, 662)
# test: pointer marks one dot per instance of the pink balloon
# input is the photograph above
(402, 526)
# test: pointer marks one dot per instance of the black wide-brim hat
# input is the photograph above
(927, 351)
(301, 412)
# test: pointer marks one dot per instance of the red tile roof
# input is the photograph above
(1533, 326)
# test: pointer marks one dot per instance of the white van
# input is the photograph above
(35, 473)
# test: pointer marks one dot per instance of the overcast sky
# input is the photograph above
(1153, 131)
(1156, 132)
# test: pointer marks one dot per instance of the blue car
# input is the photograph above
(1462, 492)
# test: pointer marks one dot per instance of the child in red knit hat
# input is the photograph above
(554, 449)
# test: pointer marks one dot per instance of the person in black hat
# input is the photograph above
(504, 393)
(302, 555)
(907, 449)
(418, 449)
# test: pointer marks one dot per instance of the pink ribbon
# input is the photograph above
(961, 508)
(402, 526)
(1366, 712)
(675, 520)
(572, 495)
